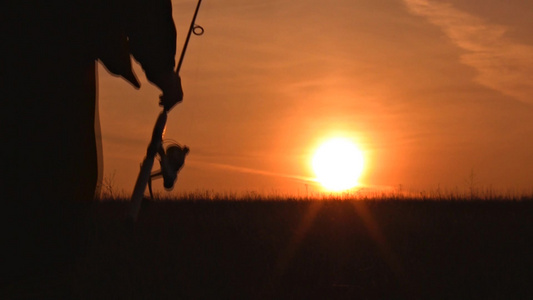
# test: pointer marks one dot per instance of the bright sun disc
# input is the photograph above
(338, 164)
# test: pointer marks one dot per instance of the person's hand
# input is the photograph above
(170, 84)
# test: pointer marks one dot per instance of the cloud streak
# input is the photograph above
(502, 64)
(244, 170)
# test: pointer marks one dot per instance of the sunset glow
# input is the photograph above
(338, 164)
(431, 89)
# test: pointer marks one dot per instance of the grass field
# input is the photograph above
(306, 249)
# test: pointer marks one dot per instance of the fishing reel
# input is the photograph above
(171, 161)
(172, 158)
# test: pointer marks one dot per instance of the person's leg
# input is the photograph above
(52, 169)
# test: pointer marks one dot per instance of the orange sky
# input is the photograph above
(431, 90)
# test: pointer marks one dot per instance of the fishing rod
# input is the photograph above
(171, 159)
(194, 28)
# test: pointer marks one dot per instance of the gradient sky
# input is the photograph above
(431, 91)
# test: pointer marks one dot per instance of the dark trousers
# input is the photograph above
(50, 163)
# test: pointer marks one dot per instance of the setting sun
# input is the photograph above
(338, 164)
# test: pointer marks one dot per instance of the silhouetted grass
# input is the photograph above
(386, 248)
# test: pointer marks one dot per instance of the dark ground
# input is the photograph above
(302, 250)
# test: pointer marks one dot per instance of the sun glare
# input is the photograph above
(338, 164)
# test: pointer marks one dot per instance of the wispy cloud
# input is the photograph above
(502, 64)
(244, 170)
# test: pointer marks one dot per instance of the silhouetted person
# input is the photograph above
(49, 141)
